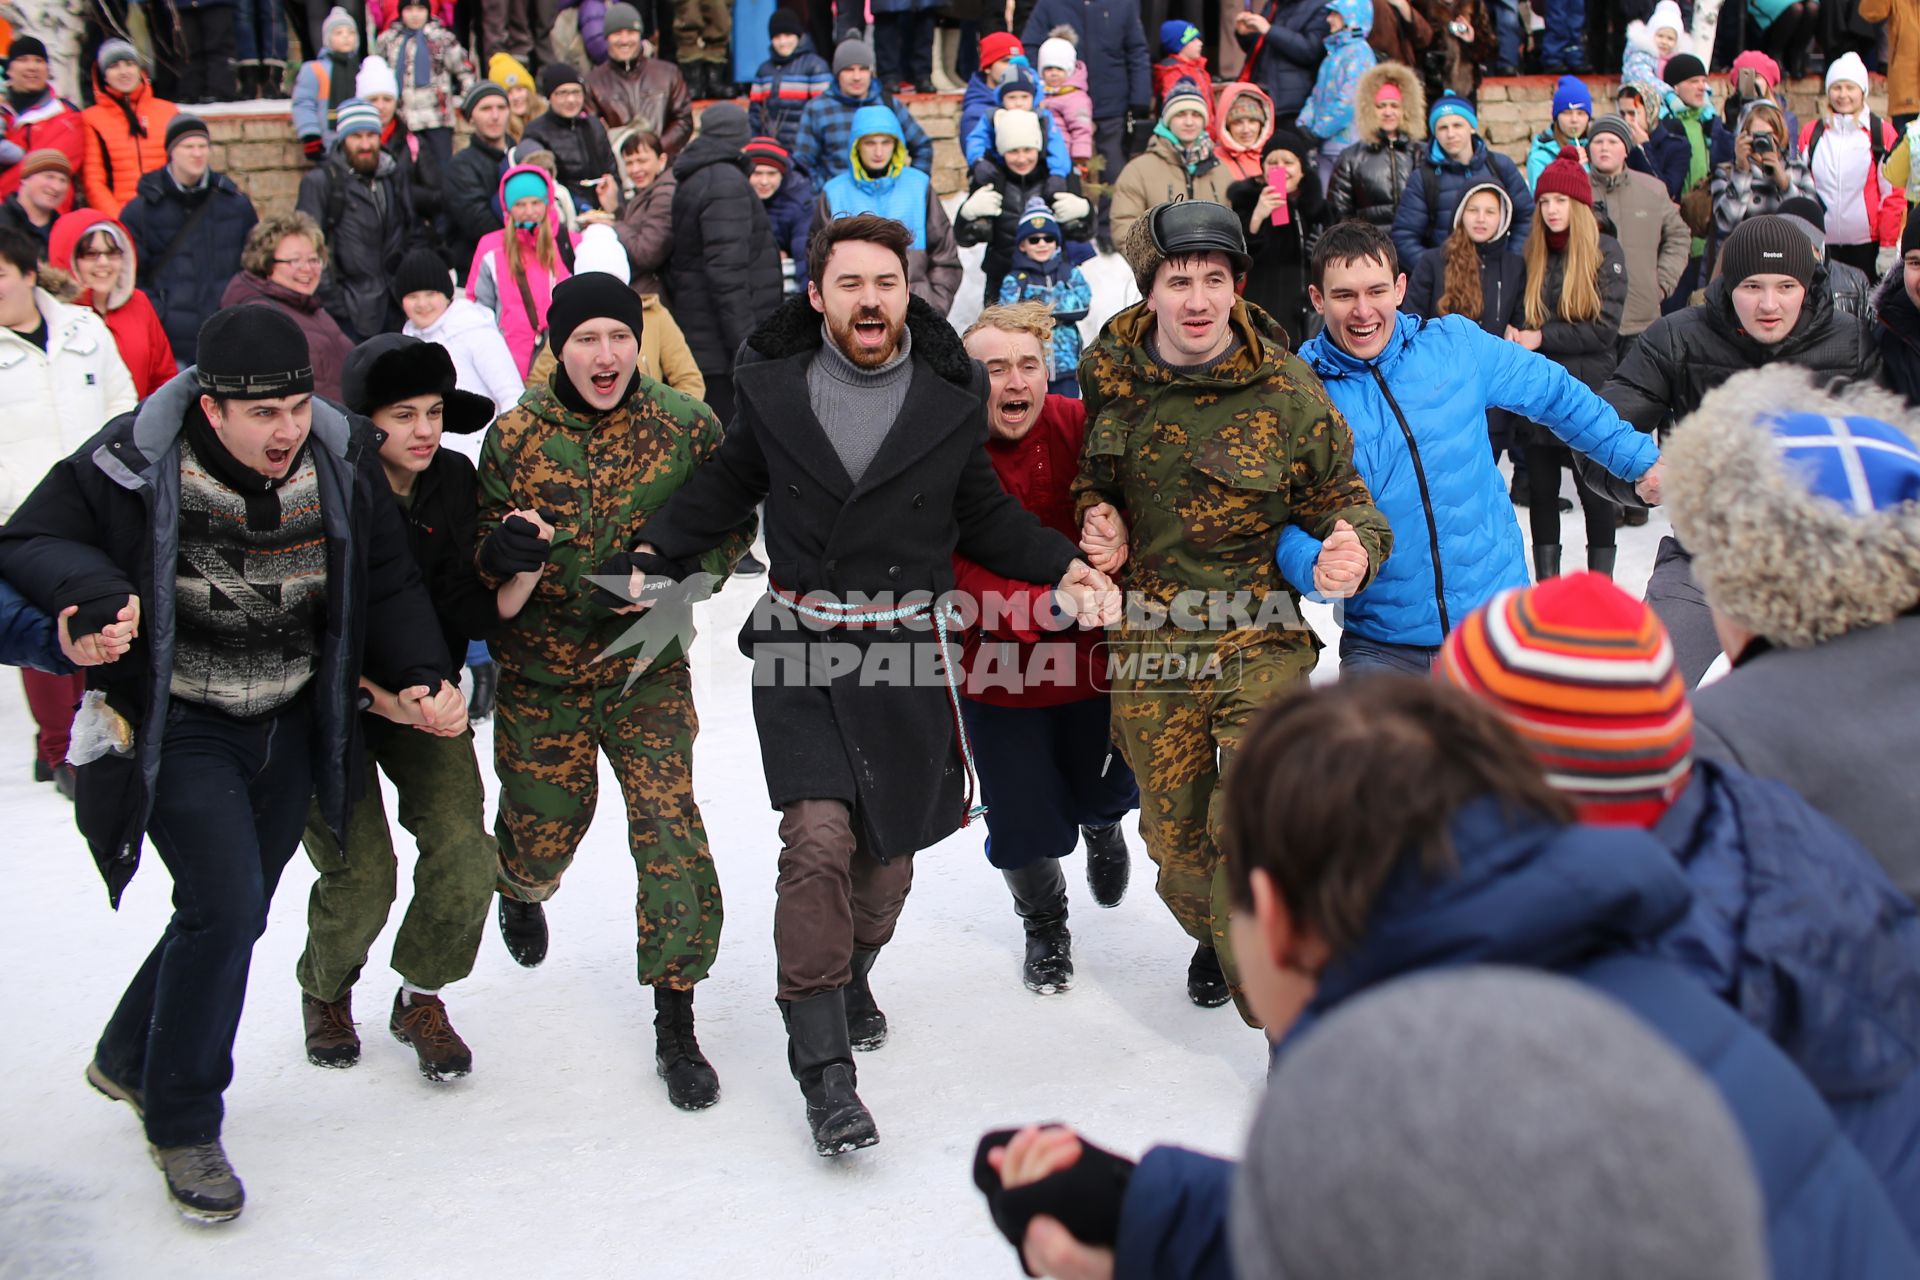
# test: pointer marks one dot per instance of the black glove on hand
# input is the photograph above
(1085, 1196)
(623, 566)
(95, 616)
(515, 547)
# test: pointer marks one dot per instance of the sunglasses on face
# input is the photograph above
(1041, 239)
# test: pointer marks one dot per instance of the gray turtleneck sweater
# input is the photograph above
(856, 406)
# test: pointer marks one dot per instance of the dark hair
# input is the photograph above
(1350, 241)
(642, 138)
(21, 249)
(1333, 789)
(860, 226)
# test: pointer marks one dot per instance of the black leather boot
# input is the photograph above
(1601, 559)
(866, 1025)
(523, 927)
(1546, 561)
(1040, 897)
(1108, 863)
(821, 1058)
(692, 1084)
(486, 688)
(1206, 982)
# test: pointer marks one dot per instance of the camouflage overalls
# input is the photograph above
(558, 710)
(1207, 469)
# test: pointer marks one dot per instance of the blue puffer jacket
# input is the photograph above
(791, 213)
(27, 636)
(1440, 489)
(900, 193)
(1111, 44)
(1419, 226)
(1584, 902)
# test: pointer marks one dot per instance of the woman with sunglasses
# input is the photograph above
(98, 254)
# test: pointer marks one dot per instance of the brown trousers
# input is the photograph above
(831, 897)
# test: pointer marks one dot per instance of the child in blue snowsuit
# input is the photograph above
(1042, 274)
(1017, 83)
(1328, 114)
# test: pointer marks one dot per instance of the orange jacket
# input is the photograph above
(124, 140)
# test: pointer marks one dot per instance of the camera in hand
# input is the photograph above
(1761, 143)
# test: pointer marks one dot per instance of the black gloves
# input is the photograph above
(622, 566)
(95, 616)
(1085, 1196)
(515, 547)
(1141, 119)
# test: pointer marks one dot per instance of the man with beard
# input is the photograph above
(363, 203)
(860, 424)
(1036, 706)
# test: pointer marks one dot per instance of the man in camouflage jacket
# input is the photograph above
(1205, 438)
(594, 453)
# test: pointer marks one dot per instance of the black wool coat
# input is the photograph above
(890, 751)
(724, 276)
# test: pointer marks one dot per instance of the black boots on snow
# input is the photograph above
(1602, 559)
(1040, 898)
(821, 1058)
(523, 927)
(1108, 863)
(1206, 984)
(692, 1084)
(486, 692)
(1546, 561)
(866, 1025)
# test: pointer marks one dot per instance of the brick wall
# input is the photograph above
(253, 143)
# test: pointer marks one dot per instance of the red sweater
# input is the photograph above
(1037, 470)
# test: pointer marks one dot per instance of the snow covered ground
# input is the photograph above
(560, 1156)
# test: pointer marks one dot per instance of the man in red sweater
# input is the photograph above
(1035, 697)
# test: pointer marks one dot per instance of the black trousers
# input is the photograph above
(1544, 464)
(208, 36)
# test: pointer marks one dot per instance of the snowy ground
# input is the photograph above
(560, 1156)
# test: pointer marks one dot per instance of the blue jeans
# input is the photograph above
(1045, 772)
(1360, 656)
(228, 809)
(1563, 43)
(1506, 21)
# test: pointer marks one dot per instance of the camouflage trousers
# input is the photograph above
(1179, 736)
(442, 806)
(547, 741)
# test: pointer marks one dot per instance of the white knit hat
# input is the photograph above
(375, 78)
(600, 250)
(1013, 130)
(1058, 53)
(1848, 67)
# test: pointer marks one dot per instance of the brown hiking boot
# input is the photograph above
(331, 1039)
(97, 1077)
(423, 1025)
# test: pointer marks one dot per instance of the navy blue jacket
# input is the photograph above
(1291, 54)
(791, 213)
(1585, 902)
(1111, 44)
(1418, 227)
(27, 635)
(1672, 154)
(186, 288)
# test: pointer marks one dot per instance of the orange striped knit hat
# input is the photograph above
(1585, 672)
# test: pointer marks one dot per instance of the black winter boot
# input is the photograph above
(692, 1084)
(486, 690)
(821, 1058)
(523, 927)
(1206, 983)
(1108, 863)
(1040, 898)
(866, 1025)
(1546, 561)
(1601, 559)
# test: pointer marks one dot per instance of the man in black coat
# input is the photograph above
(863, 435)
(473, 175)
(581, 151)
(253, 523)
(724, 275)
(1897, 312)
(362, 200)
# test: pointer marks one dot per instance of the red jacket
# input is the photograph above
(137, 332)
(1037, 471)
(53, 122)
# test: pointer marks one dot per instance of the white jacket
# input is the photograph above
(53, 401)
(481, 361)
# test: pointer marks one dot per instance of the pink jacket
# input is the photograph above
(491, 283)
(1073, 112)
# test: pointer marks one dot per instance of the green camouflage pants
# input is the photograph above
(547, 740)
(442, 806)
(1179, 735)
(701, 29)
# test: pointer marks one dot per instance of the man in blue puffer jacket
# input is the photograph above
(1457, 161)
(880, 180)
(1416, 394)
(1336, 893)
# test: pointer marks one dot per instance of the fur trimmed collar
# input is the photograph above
(795, 328)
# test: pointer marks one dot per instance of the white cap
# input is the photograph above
(1848, 67)
(375, 77)
(1013, 130)
(600, 250)
(1058, 53)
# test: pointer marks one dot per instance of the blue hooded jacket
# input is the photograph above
(1430, 472)
(1584, 902)
(900, 193)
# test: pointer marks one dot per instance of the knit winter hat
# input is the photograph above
(1015, 79)
(1493, 1123)
(556, 76)
(622, 16)
(253, 352)
(767, 151)
(1572, 92)
(508, 72)
(357, 115)
(421, 271)
(1015, 131)
(1614, 125)
(1036, 219)
(1585, 673)
(1248, 106)
(1683, 66)
(114, 52)
(1807, 214)
(337, 17)
(785, 22)
(1506, 207)
(1766, 244)
(45, 160)
(1176, 34)
(375, 79)
(852, 53)
(600, 250)
(725, 123)
(1056, 52)
(481, 91)
(27, 47)
(1666, 16)
(1183, 96)
(1452, 104)
(998, 45)
(593, 295)
(1760, 64)
(1566, 177)
(185, 126)
(1821, 532)
(524, 186)
(391, 367)
(1848, 67)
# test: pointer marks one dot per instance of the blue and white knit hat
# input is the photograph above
(357, 115)
(1037, 219)
(1452, 104)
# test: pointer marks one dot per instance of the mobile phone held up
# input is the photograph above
(1277, 182)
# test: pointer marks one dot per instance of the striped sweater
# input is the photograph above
(781, 90)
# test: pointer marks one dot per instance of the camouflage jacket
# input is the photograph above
(600, 478)
(1208, 469)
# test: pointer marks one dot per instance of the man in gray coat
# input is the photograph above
(1802, 511)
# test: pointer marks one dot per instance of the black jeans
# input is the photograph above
(1544, 463)
(229, 806)
(903, 46)
(208, 35)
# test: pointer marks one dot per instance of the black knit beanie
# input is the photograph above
(1766, 244)
(592, 295)
(784, 22)
(421, 270)
(1910, 238)
(253, 352)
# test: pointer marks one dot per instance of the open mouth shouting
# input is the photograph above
(870, 330)
(607, 383)
(1014, 410)
(278, 458)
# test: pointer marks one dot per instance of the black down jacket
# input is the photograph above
(582, 153)
(370, 225)
(186, 285)
(724, 276)
(1369, 177)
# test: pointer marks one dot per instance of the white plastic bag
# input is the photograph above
(98, 730)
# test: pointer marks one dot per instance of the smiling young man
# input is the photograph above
(1209, 438)
(1416, 393)
(256, 526)
(860, 424)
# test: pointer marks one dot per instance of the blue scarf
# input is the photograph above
(421, 57)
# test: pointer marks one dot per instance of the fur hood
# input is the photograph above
(1794, 568)
(1413, 102)
(1640, 36)
(796, 328)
